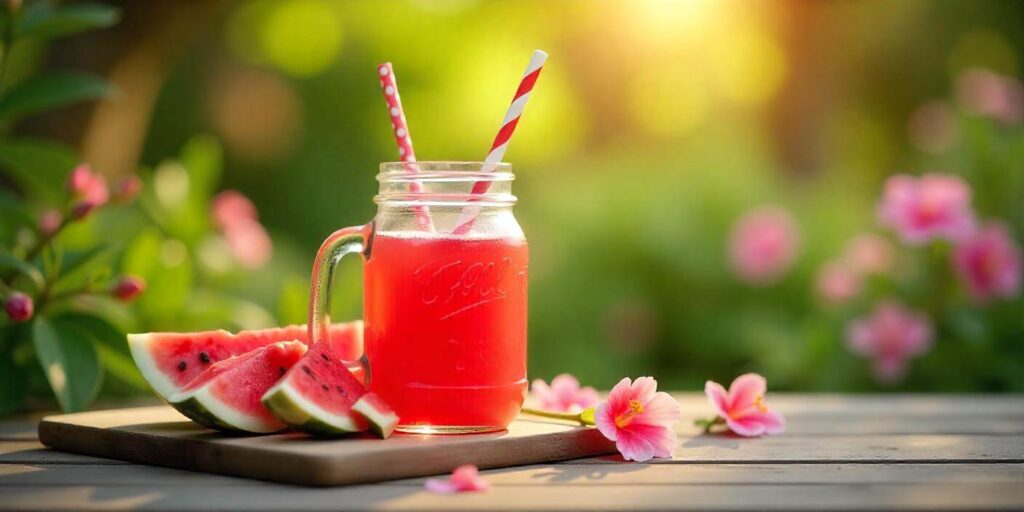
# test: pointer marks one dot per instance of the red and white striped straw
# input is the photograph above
(500, 144)
(400, 129)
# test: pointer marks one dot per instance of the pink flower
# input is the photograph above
(129, 287)
(932, 127)
(49, 222)
(127, 189)
(743, 408)
(564, 394)
(464, 479)
(838, 283)
(236, 217)
(890, 336)
(19, 307)
(868, 253)
(639, 419)
(88, 188)
(231, 208)
(985, 93)
(922, 209)
(989, 262)
(763, 245)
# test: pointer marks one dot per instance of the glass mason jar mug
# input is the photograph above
(444, 296)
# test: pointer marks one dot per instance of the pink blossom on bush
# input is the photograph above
(890, 336)
(564, 394)
(837, 282)
(989, 263)
(639, 419)
(985, 93)
(49, 222)
(126, 190)
(129, 287)
(763, 245)
(932, 127)
(88, 189)
(868, 253)
(236, 217)
(19, 307)
(923, 209)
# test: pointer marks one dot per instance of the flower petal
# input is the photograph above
(619, 396)
(745, 426)
(604, 418)
(745, 389)
(662, 439)
(633, 446)
(661, 409)
(440, 486)
(718, 397)
(644, 388)
(774, 423)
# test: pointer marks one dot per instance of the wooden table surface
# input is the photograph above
(838, 452)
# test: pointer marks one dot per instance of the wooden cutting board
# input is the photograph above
(161, 436)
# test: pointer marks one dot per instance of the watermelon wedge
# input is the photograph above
(226, 396)
(377, 413)
(170, 360)
(317, 394)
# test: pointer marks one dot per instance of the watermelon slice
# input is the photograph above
(226, 396)
(317, 395)
(377, 413)
(169, 360)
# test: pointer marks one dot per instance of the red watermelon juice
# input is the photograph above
(446, 329)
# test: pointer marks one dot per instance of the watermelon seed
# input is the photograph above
(308, 372)
(282, 370)
(325, 356)
(204, 357)
(324, 386)
(342, 391)
(182, 365)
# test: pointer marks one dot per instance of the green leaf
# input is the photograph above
(44, 20)
(69, 361)
(112, 346)
(38, 166)
(9, 261)
(79, 267)
(10, 209)
(203, 158)
(49, 91)
(13, 386)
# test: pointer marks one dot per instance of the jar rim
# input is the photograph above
(428, 167)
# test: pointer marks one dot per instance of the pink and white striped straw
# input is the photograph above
(500, 144)
(400, 129)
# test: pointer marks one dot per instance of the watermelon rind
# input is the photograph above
(382, 422)
(139, 346)
(209, 411)
(289, 406)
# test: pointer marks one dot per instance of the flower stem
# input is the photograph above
(568, 416)
(708, 423)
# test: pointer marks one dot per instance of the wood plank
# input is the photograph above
(972, 496)
(810, 425)
(33, 452)
(161, 436)
(850, 405)
(564, 474)
(727, 448)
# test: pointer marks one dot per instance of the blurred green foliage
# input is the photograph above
(655, 125)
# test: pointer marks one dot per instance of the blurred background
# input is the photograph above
(700, 181)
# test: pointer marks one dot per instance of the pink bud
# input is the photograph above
(19, 307)
(82, 210)
(129, 287)
(49, 222)
(127, 189)
(79, 179)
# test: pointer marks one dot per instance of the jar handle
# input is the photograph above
(341, 243)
